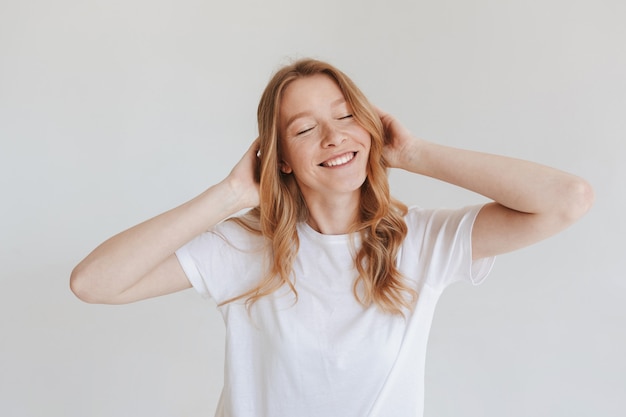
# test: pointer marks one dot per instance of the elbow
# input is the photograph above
(580, 199)
(82, 287)
(78, 287)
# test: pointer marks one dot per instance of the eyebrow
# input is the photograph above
(334, 103)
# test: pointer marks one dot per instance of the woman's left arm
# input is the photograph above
(531, 201)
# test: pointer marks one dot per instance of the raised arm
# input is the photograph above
(531, 201)
(140, 262)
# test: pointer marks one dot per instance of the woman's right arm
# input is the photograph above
(140, 263)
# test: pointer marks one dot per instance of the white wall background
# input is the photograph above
(113, 111)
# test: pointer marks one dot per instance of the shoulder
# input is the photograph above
(428, 217)
(228, 235)
(239, 231)
(440, 226)
(438, 246)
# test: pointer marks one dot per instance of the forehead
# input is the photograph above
(307, 93)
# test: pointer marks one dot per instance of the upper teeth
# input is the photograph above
(340, 160)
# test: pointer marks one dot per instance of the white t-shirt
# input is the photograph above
(325, 355)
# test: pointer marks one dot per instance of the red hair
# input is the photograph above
(381, 218)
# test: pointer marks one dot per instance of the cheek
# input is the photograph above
(366, 140)
(284, 152)
(295, 155)
(363, 135)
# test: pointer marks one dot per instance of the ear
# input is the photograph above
(285, 168)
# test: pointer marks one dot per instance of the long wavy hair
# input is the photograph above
(380, 221)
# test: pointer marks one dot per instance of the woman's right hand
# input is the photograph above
(244, 178)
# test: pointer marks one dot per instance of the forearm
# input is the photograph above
(517, 184)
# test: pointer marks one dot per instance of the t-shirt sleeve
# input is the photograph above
(188, 261)
(222, 263)
(440, 244)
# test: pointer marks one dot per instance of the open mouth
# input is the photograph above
(340, 160)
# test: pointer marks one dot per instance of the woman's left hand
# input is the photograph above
(400, 145)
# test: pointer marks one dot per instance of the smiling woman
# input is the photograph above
(325, 148)
(328, 285)
(303, 125)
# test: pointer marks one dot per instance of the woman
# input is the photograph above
(328, 285)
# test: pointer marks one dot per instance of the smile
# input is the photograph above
(340, 160)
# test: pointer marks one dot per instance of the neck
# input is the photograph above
(333, 216)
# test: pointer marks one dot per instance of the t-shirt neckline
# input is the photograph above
(306, 229)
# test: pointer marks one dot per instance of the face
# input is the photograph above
(323, 146)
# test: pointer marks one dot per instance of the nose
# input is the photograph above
(332, 137)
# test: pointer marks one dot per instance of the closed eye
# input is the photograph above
(347, 116)
(303, 131)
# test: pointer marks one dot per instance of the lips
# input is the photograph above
(339, 160)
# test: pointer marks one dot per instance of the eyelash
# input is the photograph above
(302, 132)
